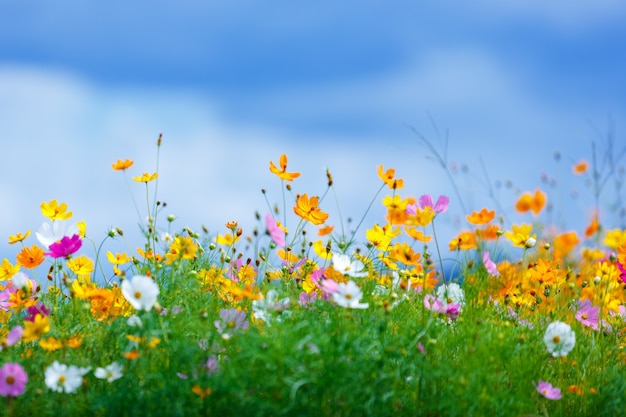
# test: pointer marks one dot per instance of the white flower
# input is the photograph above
(141, 292)
(134, 321)
(62, 378)
(451, 294)
(262, 309)
(110, 373)
(559, 338)
(343, 264)
(20, 280)
(349, 295)
(50, 233)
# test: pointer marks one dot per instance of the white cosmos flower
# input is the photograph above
(263, 308)
(343, 264)
(559, 338)
(110, 373)
(50, 233)
(60, 377)
(349, 295)
(141, 292)
(451, 294)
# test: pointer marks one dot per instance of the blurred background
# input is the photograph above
(510, 94)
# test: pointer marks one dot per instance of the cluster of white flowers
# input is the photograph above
(64, 378)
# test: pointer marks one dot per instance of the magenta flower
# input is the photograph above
(622, 270)
(441, 206)
(490, 265)
(36, 309)
(65, 247)
(276, 233)
(548, 391)
(587, 314)
(13, 380)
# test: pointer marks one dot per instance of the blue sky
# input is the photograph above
(232, 85)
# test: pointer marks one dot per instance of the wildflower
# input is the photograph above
(463, 241)
(33, 330)
(528, 202)
(381, 237)
(451, 294)
(13, 380)
(490, 265)
(63, 378)
(276, 232)
(65, 247)
(145, 177)
(559, 338)
(548, 391)
(417, 234)
(520, 236)
(118, 258)
(263, 308)
(441, 206)
(110, 372)
(80, 265)
(134, 321)
(587, 314)
(141, 292)
(308, 209)
(438, 305)
(388, 178)
(615, 238)
(349, 295)
(13, 239)
(7, 270)
(326, 230)
(14, 336)
(580, 167)
(343, 264)
(483, 217)
(31, 258)
(232, 320)
(51, 233)
(36, 309)
(201, 392)
(55, 211)
(423, 215)
(282, 172)
(122, 165)
(593, 227)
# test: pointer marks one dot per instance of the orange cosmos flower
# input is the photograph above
(464, 241)
(55, 211)
(593, 227)
(580, 168)
(282, 172)
(482, 217)
(417, 234)
(388, 178)
(18, 237)
(564, 243)
(31, 257)
(489, 232)
(200, 392)
(308, 209)
(323, 231)
(528, 201)
(122, 165)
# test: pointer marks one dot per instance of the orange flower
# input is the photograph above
(323, 231)
(580, 168)
(564, 243)
(482, 217)
(490, 232)
(593, 227)
(122, 165)
(527, 202)
(308, 209)
(31, 257)
(388, 178)
(18, 237)
(282, 172)
(464, 241)
(196, 389)
(417, 234)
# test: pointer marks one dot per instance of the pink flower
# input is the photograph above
(622, 270)
(329, 286)
(440, 206)
(276, 232)
(65, 247)
(547, 390)
(490, 265)
(13, 380)
(587, 314)
(14, 336)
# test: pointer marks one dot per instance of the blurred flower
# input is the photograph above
(388, 178)
(134, 321)
(531, 202)
(559, 338)
(7, 270)
(263, 308)
(490, 265)
(33, 330)
(615, 238)
(282, 172)
(484, 216)
(463, 241)
(140, 291)
(451, 294)
(145, 177)
(231, 321)
(80, 265)
(63, 378)
(18, 237)
(36, 309)
(520, 236)
(65, 247)
(14, 336)
(326, 230)
(580, 168)
(55, 211)
(349, 295)
(277, 233)
(110, 372)
(13, 380)
(122, 165)
(587, 314)
(548, 391)
(344, 265)
(441, 206)
(594, 225)
(308, 209)
(31, 258)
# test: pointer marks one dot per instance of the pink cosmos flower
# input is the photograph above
(65, 247)
(490, 265)
(276, 233)
(13, 380)
(548, 391)
(36, 309)
(441, 206)
(306, 298)
(622, 270)
(14, 336)
(587, 314)
(329, 286)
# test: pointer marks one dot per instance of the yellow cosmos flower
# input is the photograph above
(31, 257)
(424, 216)
(417, 234)
(320, 248)
(381, 237)
(388, 178)
(51, 344)
(118, 258)
(520, 235)
(7, 270)
(308, 209)
(282, 172)
(615, 238)
(81, 265)
(122, 165)
(55, 211)
(145, 177)
(226, 240)
(33, 330)
(82, 228)
(18, 237)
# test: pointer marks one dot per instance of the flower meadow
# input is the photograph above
(309, 315)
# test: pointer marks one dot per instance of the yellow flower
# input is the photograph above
(388, 178)
(308, 209)
(381, 237)
(82, 228)
(51, 344)
(463, 241)
(226, 240)
(122, 165)
(33, 330)
(282, 172)
(417, 234)
(7, 270)
(321, 250)
(81, 265)
(18, 237)
(424, 216)
(403, 253)
(145, 177)
(520, 235)
(118, 258)
(615, 238)
(55, 211)
(31, 257)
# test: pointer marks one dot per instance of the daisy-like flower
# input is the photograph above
(122, 165)
(145, 177)
(559, 339)
(451, 294)
(13, 380)
(307, 208)
(232, 320)
(276, 232)
(490, 265)
(60, 377)
(14, 336)
(65, 247)
(282, 172)
(441, 206)
(110, 372)
(141, 292)
(587, 314)
(20, 237)
(31, 257)
(55, 211)
(263, 308)
(548, 391)
(51, 233)
(349, 295)
(343, 264)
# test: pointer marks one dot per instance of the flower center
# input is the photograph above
(10, 379)
(585, 316)
(231, 324)
(137, 294)
(348, 296)
(61, 379)
(556, 339)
